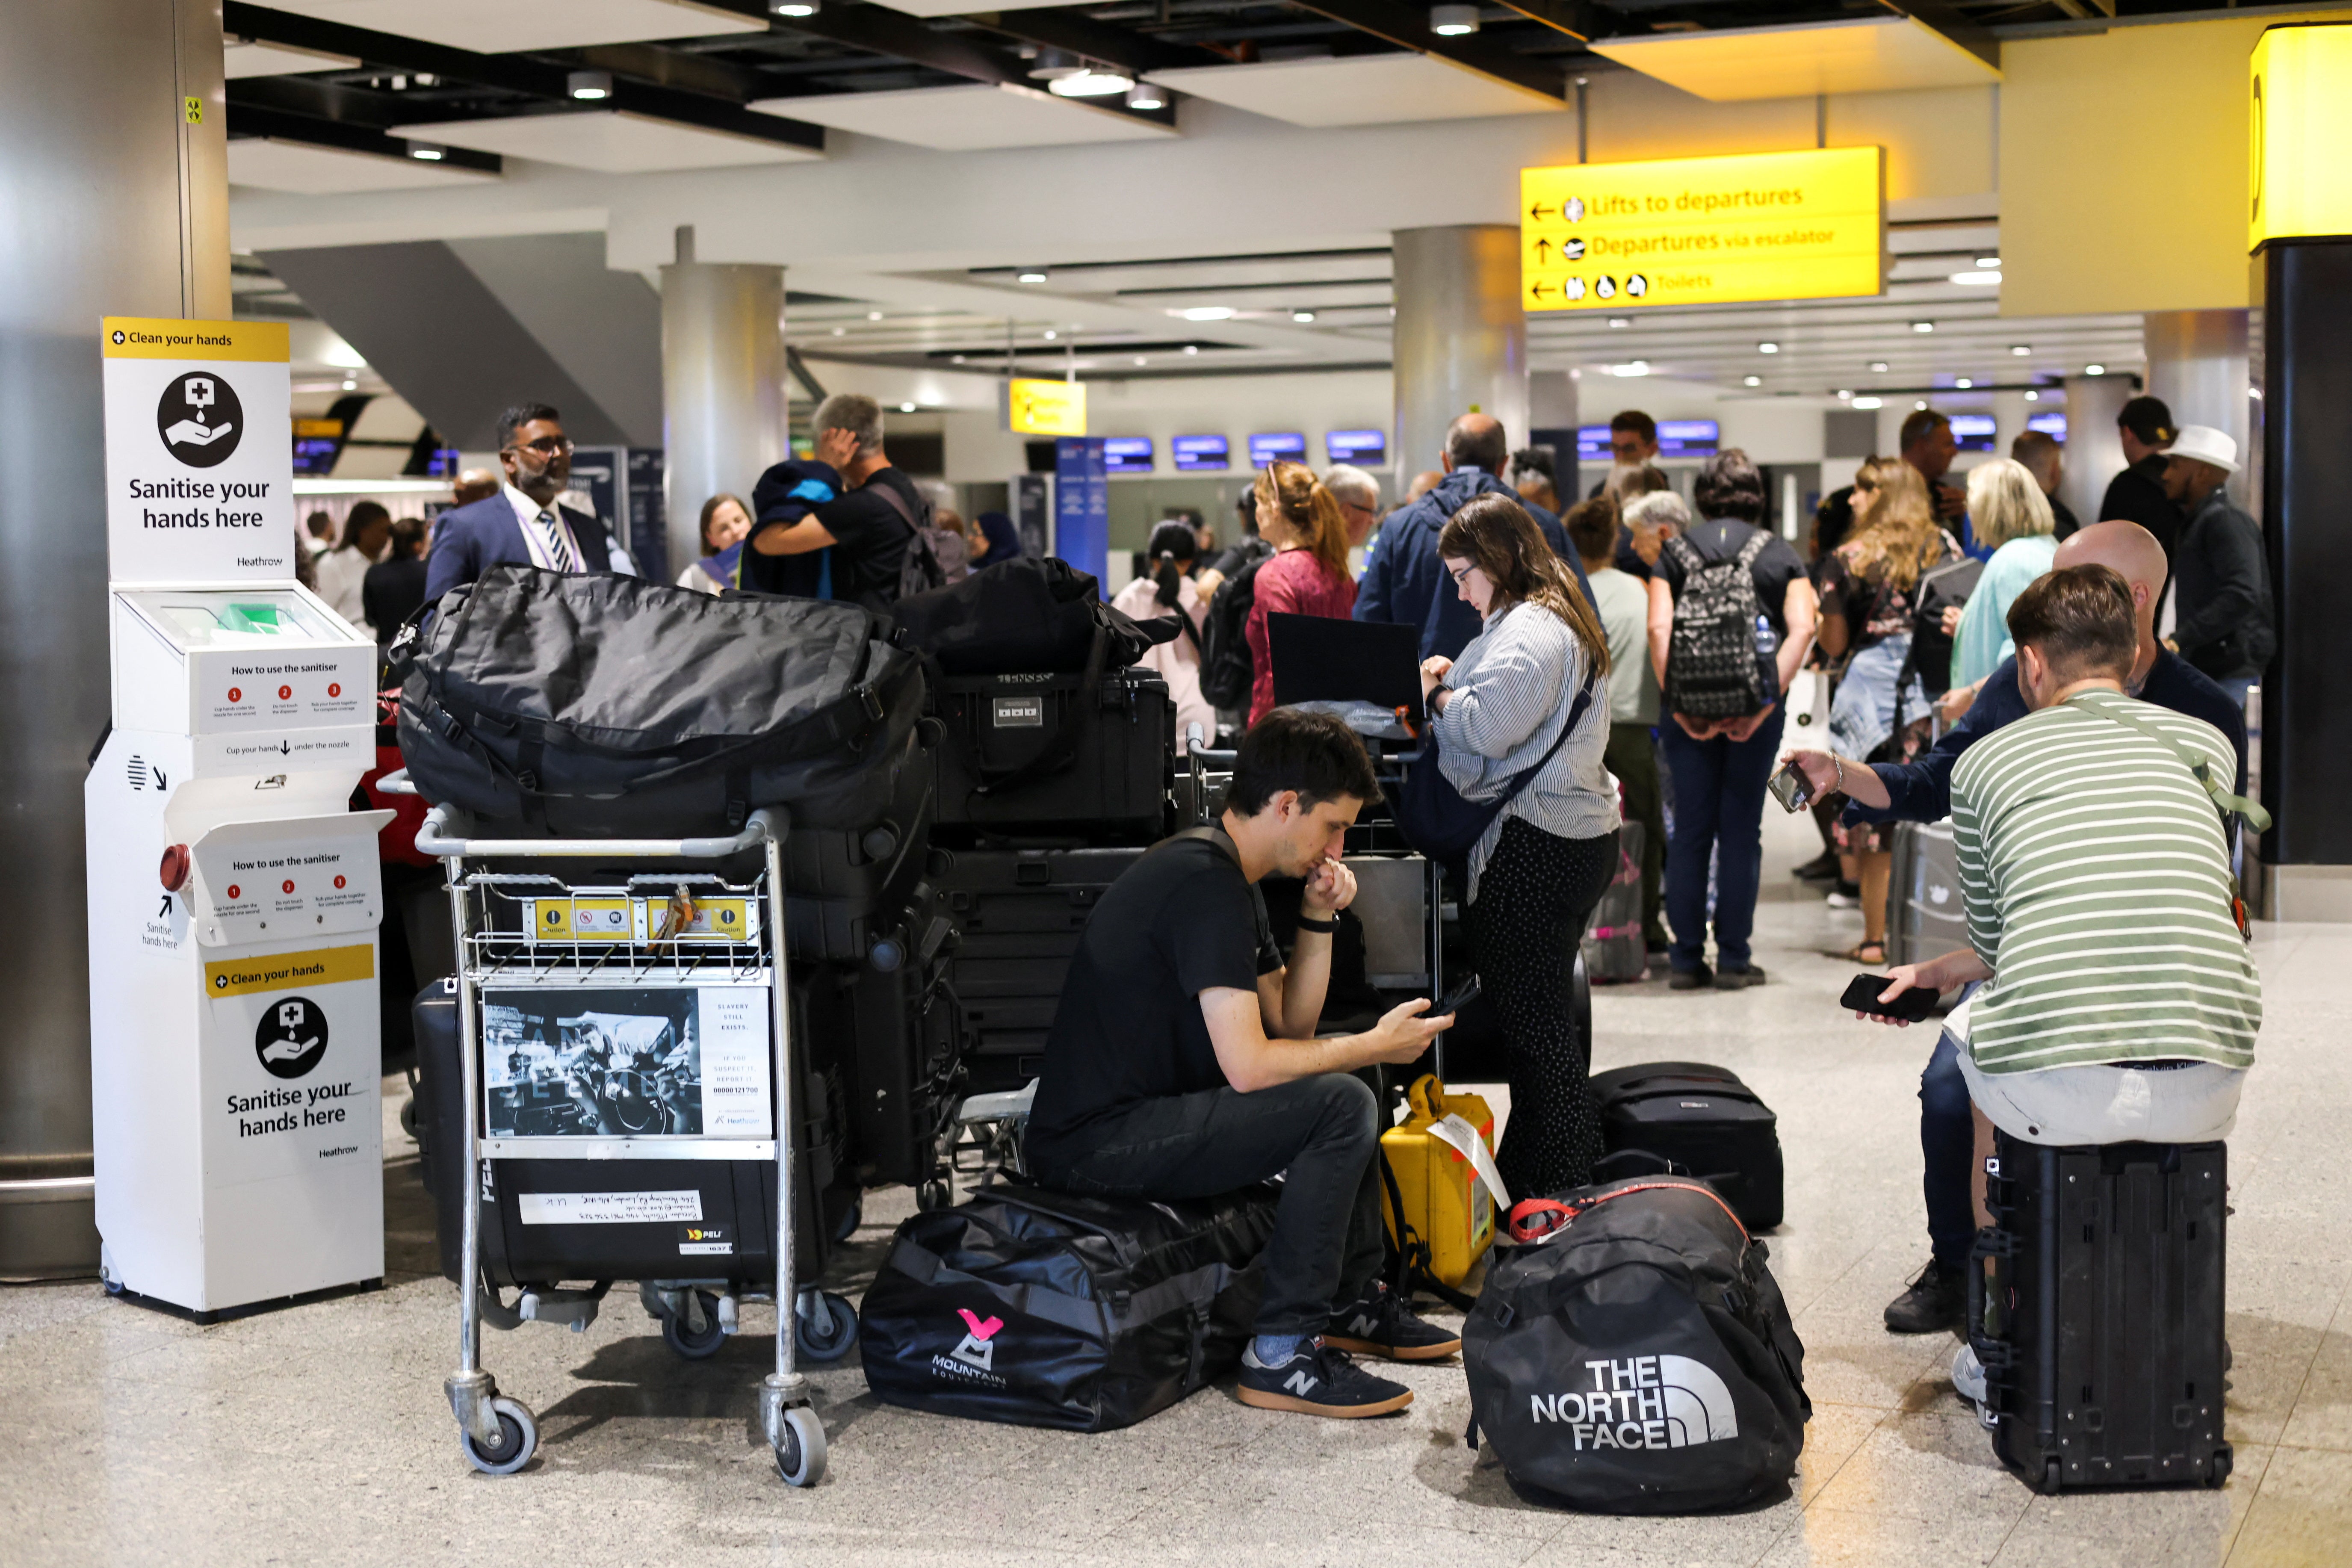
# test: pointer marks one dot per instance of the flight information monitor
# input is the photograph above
(1288, 447)
(1361, 447)
(1127, 455)
(1194, 453)
(2051, 425)
(1972, 432)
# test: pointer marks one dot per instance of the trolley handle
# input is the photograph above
(397, 782)
(436, 839)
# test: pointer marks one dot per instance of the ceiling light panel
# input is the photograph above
(1357, 89)
(975, 118)
(531, 24)
(240, 60)
(609, 141)
(303, 169)
(1890, 54)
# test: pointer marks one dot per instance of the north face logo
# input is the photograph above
(1644, 1401)
(978, 1348)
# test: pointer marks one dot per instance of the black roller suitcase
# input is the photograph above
(1704, 1120)
(2102, 1341)
(844, 886)
(1113, 783)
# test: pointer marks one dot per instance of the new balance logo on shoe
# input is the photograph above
(1299, 1384)
(1644, 1401)
(1364, 1325)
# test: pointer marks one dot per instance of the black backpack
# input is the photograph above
(1712, 667)
(919, 570)
(1634, 1354)
(1227, 671)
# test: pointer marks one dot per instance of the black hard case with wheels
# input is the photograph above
(1704, 1120)
(844, 886)
(2102, 1338)
(738, 1195)
(1114, 786)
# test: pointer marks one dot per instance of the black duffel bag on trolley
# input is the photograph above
(600, 705)
(1042, 1309)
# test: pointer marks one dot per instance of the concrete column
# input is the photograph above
(2009, 412)
(722, 385)
(2095, 453)
(1461, 340)
(94, 154)
(2197, 363)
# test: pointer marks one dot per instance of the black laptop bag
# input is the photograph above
(1704, 1120)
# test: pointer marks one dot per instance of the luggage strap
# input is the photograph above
(1098, 1319)
(1539, 1220)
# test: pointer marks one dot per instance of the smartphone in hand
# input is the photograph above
(1790, 788)
(1911, 1007)
(1453, 1001)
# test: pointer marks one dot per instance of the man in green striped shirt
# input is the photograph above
(2120, 1005)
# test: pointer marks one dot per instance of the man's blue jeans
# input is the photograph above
(1947, 1144)
(1719, 807)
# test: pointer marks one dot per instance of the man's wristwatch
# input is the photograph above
(1325, 927)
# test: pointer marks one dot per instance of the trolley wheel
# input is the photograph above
(800, 1458)
(518, 1440)
(408, 1120)
(934, 1195)
(852, 1217)
(824, 1326)
(696, 1346)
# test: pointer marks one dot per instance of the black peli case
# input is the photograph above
(1704, 1120)
(738, 1196)
(1018, 914)
(1032, 755)
(1040, 1308)
(2103, 1357)
(845, 886)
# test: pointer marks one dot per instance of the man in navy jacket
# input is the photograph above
(1921, 791)
(1403, 582)
(522, 524)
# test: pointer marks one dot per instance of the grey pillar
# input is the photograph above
(2095, 453)
(2009, 413)
(722, 385)
(1461, 338)
(131, 210)
(2197, 363)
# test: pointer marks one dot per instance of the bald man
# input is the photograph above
(1921, 791)
(1403, 582)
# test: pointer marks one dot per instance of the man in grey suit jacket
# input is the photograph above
(522, 524)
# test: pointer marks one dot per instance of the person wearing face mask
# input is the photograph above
(1169, 590)
(523, 525)
(1525, 707)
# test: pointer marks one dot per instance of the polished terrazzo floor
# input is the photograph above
(320, 1434)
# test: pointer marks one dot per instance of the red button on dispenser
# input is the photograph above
(174, 869)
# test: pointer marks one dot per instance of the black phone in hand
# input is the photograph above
(1911, 1007)
(1453, 1001)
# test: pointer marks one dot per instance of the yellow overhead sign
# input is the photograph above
(1049, 408)
(1695, 231)
(2300, 182)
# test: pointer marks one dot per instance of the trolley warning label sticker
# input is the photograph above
(609, 1208)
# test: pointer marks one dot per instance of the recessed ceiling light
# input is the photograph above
(1630, 367)
(2095, 370)
(1753, 381)
(840, 332)
(1143, 95)
(793, 7)
(873, 315)
(956, 359)
(1050, 334)
(1921, 403)
(1878, 367)
(1453, 21)
(2021, 351)
(1964, 383)
(1089, 82)
(2033, 397)
(1191, 348)
(589, 87)
(1302, 315)
(1621, 320)
(351, 386)
(1140, 360)
(1870, 403)
(1767, 348)
(1845, 393)
(1923, 326)
(906, 408)
(427, 151)
(1990, 262)
(1030, 275)
(1976, 280)
(1207, 313)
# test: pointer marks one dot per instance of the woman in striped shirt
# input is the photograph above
(2120, 1005)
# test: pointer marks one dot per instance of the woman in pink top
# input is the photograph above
(1308, 574)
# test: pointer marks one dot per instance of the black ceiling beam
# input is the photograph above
(520, 74)
(675, 68)
(1939, 16)
(882, 31)
(318, 100)
(1053, 27)
(246, 118)
(1407, 27)
(1573, 17)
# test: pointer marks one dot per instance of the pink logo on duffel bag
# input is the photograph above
(982, 1329)
(976, 1350)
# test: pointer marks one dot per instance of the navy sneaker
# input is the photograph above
(1318, 1380)
(1382, 1325)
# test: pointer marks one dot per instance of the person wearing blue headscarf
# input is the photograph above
(1003, 543)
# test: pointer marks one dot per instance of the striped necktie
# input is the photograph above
(559, 545)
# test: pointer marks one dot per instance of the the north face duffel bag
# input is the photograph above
(600, 705)
(1042, 1309)
(1633, 1355)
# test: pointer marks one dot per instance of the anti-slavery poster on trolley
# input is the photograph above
(626, 1061)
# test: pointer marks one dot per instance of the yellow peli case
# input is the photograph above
(1447, 1202)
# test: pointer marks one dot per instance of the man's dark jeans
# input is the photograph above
(1718, 807)
(1328, 1242)
(1947, 1143)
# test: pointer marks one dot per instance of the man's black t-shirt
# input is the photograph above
(2137, 495)
(871, 538)
(1180, 921)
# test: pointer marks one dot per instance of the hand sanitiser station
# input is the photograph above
(234, 1052)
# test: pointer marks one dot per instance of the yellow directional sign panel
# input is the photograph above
(2301, 93)
(1697, 231)
(1049, 408)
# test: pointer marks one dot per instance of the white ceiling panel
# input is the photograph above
(273, 59)
(1357, 89)
(1889, 54)
(312, 171)
(961, 7)
(966, 119)
(608, 142)
(529, 23)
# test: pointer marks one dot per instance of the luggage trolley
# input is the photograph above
(661, 931)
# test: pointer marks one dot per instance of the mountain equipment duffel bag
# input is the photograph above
(600, 705)
(1043, 1309)
(1633, 1355)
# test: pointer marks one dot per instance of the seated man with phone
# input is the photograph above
(1182, 1063)
(2119, 1004)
